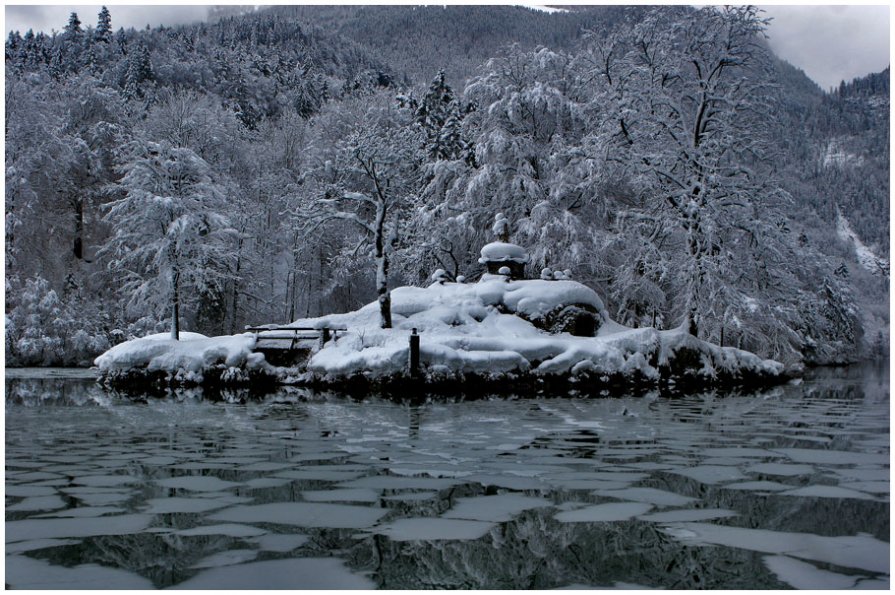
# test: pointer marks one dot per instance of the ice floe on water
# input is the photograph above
(279, 542)
(648, 495)
(434, 529)
(802, 575)
(226, 558)
(303, 514)
(35, 503)
(711, 474)
(687, 515)
(822, 491)
(604, 513)
(757, 486)
(121, 524)
(496, 492)
(228, 529)
(852, 551)
(292, 574)
(23, 572)
(345, 495)
(781, 469)
(498, 509)
(197, 483)
(176, 504)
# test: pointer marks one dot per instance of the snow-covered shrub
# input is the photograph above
(44, 330)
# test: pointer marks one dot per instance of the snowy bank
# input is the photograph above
(499, 333)
(498, 329)
(193, 359)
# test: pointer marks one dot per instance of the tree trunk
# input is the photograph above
(175, 314)
(78, 248)
(697, 280)
(385, 300)
(234, 304)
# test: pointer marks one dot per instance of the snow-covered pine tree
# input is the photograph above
(441, 117)
(139, 70)
(103, 31)
(73, 29)
(171, 240)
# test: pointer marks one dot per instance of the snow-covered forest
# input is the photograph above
(297, 161)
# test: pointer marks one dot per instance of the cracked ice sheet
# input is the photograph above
(30, 529)
(648, 495)
(226, 558)
(688, 515)
(304, 514)
(346, 495)
(758, 486)
(279, 542)
(389, 482)
(821, 491)
(498, 509)
(296, 573)
(604, 513)
(23, 572)
(197, 483)
(35, 503)
(28, 490)
(710, 474)
(802, 575)
(860, 551)
(781, 469)
(833, 457)
(433, 529)
(228, 529)
(37, 544)
(182, 505)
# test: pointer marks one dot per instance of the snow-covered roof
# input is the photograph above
(503, 252)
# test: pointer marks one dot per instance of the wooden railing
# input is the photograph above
(324, 334)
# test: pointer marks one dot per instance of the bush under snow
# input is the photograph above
(491, 328)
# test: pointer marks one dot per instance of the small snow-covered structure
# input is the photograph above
(497, 255)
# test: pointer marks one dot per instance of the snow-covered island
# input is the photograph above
(502, 332)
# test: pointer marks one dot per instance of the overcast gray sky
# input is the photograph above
(830, 43)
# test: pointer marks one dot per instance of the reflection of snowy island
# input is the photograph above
(531, 332)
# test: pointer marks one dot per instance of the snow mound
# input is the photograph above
(495, 327)
(503, 252)
(191, 356)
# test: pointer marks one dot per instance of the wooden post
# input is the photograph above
(325, 331)
(654, 318)
(722, 335)
(414, 353)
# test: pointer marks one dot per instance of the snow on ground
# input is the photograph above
(492, 327)
(865, 256)
(836, 155)
(189, 357)
(489, 328)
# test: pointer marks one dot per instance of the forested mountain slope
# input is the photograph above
(236, 169)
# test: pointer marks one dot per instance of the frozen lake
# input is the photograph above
(303, 490)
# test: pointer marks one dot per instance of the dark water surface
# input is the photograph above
(300, 490)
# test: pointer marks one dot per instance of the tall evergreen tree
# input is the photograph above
(73, 29)
(103, 31)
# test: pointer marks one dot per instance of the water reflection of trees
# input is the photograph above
(534, 551)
